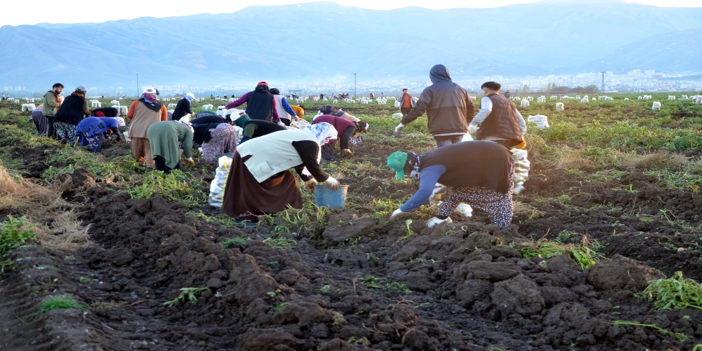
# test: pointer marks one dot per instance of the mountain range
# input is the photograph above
(328, 46)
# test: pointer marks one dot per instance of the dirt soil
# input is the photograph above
(467, 288)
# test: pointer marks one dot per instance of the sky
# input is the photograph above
(69, 11)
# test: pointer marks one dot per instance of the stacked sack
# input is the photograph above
(521, 168)
(220, 180)
(541, 121)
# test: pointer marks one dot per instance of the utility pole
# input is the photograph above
(354, 85)
(603, 73)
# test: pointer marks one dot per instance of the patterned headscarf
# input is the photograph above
(150, 99)
(187, 124)
(414, 163)
(323, 132)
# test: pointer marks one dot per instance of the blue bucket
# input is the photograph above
(328, 197)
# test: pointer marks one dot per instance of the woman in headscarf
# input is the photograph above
(166, 138)
(71, 112)
(260, 180)
(216, 137)
(142, 113)
(346, 129)
(92, 130)
(478, 173)
(260, 104)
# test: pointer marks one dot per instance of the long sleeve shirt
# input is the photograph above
(427, 180)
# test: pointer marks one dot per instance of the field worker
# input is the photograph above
(448, 106)
(166, 138)
(260, 104)
(406, 102)
(92, 131)
(142, 113)
(254, 128)
(478, 173)
(71, 112)
(299, 110)
(283, 108)
(260, 180)
(40, 122)
(104, 112)
(499, 120)
(184, 108)
(335, 111)
(50, 104)
(216, 138)
(345, 129)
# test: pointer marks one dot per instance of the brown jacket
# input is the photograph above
(448, 106)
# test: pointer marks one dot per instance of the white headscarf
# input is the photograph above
(323, 132)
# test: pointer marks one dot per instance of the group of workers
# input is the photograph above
(481, 172)
(70, 120)
(477, 159)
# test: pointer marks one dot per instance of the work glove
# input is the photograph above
(333, 183)
(473, 128)
(310, 184)
(434, 221)
(396, 213)
(399, 128)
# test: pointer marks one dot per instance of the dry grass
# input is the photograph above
(569, 158)
(59, 229)
(657, 160)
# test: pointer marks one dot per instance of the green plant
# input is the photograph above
(237, 240)
(280, 306)
(681, 337)
(189, 295)
(282, 243)
(14, 232)
(85, 280)
(58, 303)
(674, 293)
(309, 219)
(273, 293)
(380, 283)
(175, 186)
(583, 255)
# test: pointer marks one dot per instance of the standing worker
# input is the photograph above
(499, 121)
(142, 113)
(50, 104)
(448, 106)
(406, 102)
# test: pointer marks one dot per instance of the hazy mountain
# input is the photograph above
(324, 44)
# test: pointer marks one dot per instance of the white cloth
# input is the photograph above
(272, 153)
